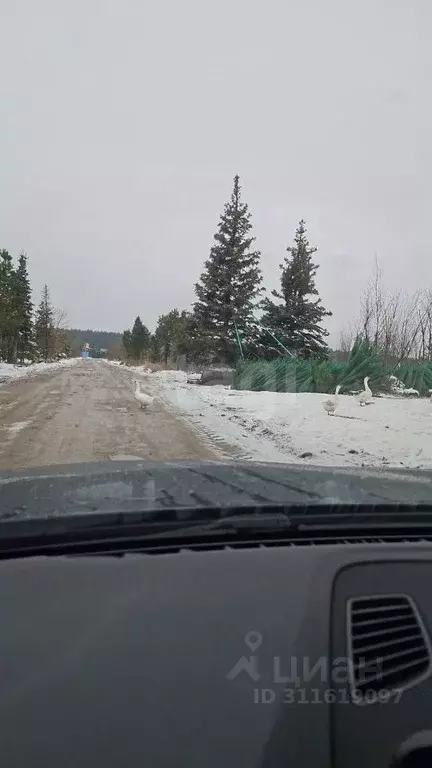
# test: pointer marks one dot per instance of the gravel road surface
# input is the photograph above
(88, 413)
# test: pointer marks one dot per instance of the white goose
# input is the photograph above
(141, 397)
(365, 397)
(331, 405)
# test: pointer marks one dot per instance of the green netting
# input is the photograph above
(291, 374)
(415, 375)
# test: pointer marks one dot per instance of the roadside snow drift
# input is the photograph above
(286, 427)
(8, 371)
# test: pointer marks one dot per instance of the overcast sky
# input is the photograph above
(123, 123)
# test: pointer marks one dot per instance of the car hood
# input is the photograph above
(141, 485)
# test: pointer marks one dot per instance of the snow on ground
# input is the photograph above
(288, 427)
(13, 429)
(8, 371)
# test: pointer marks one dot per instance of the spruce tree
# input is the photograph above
(126, 341)
(139, 340)
(24, 308)
(229, 289)
(296, 322)
(8, 313)
(44, 326)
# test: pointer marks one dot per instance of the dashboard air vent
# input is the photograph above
(388, 646)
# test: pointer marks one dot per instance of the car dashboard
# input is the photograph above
(261, 655)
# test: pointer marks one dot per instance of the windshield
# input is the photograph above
(215, 236)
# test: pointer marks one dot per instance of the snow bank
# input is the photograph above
(8, 371)
(399, 388)
(269, 426)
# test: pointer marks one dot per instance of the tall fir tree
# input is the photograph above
(126, 342)
(229, 289)
(8, 312)
(44, 326)
(139, 339)
(297, 321)
(24, 308)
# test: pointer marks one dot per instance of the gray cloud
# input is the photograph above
(123, 124)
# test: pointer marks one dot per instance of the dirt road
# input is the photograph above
(88, 413)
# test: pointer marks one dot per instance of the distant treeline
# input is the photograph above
(98, 340)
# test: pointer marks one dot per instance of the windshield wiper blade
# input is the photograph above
(89, 530)
(130, 530)
(133, 522)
